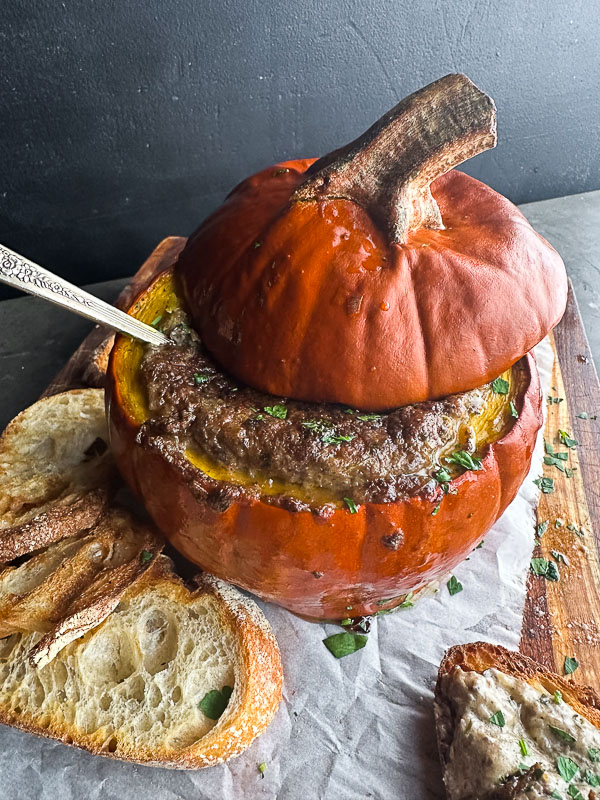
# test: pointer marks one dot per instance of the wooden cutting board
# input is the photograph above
(562, 618)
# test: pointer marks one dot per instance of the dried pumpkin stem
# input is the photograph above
(389, 168)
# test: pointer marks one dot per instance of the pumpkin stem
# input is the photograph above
(389, 168)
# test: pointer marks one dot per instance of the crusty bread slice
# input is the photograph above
(73, 584)
(481, 656)
(56, 472)
(131, 688)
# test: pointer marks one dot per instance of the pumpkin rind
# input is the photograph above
(319, 567)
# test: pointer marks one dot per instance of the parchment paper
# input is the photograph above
(359, 727)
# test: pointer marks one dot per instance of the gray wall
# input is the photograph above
(123, 121)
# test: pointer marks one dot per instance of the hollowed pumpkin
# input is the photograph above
(344, 564)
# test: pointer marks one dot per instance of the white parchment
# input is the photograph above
(359, 727)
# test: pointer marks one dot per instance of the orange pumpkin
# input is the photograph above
(352, 280)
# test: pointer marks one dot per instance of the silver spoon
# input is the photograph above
(20, 273)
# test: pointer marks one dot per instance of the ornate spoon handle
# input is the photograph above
(19, 272)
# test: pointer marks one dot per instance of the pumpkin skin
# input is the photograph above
(311, 300)
(315, 567)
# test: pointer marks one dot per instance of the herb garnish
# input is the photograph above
(523, 746)
(369, 417)
(574, 792)
(567, 440)
(146, 556)
(454, 586)
(542, 568)
(500, 386)
(570, 665)
(594, 755)
(513, 410)
(592, 778)
(542, 527)
(198, 379)
(545, 484)
(557, 697)
(352, 507)
(343, 644)
(497, 718)
(561, 734)
(465, 460)
(442, 476)
(327, 432)
(567, 768)
(278, 411)
(156, 320)
(214, 703)
(262, 768)
(582, 415)
(559, 557)
(436, 509)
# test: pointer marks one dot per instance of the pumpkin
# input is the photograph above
(347, 564)
(377, 276)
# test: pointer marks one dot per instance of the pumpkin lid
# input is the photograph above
(376, 276)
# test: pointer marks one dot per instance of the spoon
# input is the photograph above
(23, 274)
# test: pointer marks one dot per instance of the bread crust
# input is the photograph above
(258, 683)
(480, 656)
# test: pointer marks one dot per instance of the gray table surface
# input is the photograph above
(38, 338)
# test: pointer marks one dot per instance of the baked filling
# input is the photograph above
(513, 734)
(311, 453)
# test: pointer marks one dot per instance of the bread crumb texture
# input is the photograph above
(131, 688)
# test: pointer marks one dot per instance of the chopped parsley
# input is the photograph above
(570, 665)
(326, 432)
(352, 507)
(574, 792)
(156, 320)
(567, 440)
(523, 746)
(436, 509)
(198, 379)
(513, 410)
(146, 556)
(262, 768)
(567, 768)
(500, 386)
(278, 411)
(542, 568)
(545, 484)
(465, 460)
(594, 755)
(497, 718)
(454, 586)
(541, 528)
(559, 557)
(442, 476)
(214, 703)
(592, 778)
(557, 697)
(564, 736)
(582, 415)
(343, 644)
(369, 417)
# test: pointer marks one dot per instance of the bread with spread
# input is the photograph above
(509, 728)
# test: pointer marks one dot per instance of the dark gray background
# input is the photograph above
(122, 122)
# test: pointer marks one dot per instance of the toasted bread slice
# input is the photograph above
(135, 686)
(56, 472)
(73, 584)
(549, 711)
